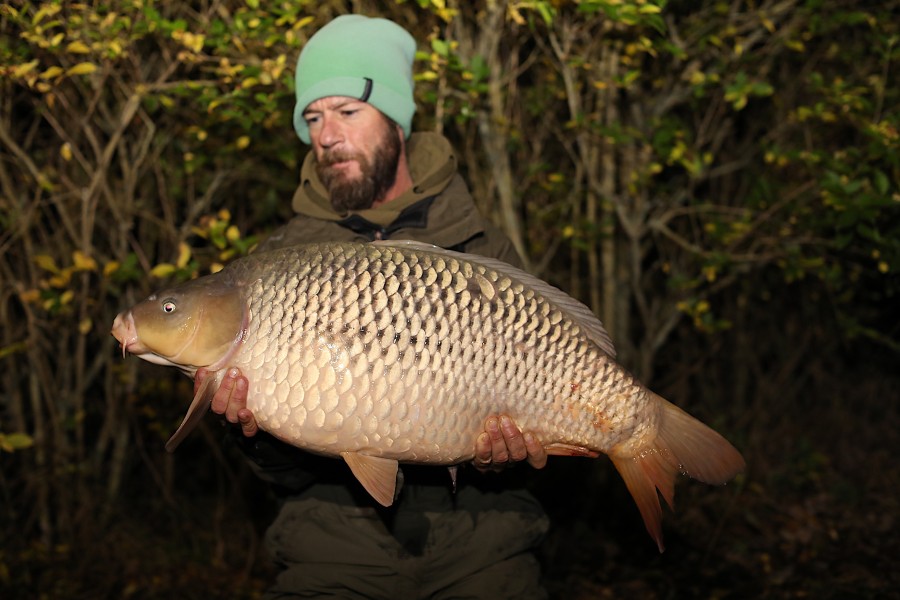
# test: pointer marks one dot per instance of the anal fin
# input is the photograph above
(378, 475)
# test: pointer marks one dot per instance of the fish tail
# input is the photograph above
(683, 444)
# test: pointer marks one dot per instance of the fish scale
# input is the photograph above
(397, 352)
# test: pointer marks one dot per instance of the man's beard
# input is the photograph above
(375, 178)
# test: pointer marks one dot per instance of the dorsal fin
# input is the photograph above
(578, 312)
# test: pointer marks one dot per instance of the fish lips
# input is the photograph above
(125, 332)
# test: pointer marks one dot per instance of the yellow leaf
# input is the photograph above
(82, 69)
(66, 297)
(24, 68)
(46, 10)
(194, 41)
(78, 47)
(110, 268)
(426, 76)
(242, 142)
(85, 326)
(162, 270)
(62, 280)
(224, 214)
(15, 441)
(516, 16)
(83, 262)
(51, 73)
(303, 22)
(46, 262)
(28, 296)
(216, 267)
(184, 255)
(232, 234)
(66, 152)
(649, 9)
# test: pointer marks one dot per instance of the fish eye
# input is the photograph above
(169, 305)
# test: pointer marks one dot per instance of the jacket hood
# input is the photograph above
(432, 165)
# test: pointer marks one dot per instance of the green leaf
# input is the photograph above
(881, 181)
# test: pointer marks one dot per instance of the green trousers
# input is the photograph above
(482, 547)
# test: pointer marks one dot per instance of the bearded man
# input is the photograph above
(369, 178)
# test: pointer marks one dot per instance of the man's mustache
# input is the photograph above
(331, 158)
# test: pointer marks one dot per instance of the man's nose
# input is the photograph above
(330, 133)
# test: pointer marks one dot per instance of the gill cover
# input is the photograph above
(195, 324)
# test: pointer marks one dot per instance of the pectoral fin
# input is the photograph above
(378, 475)
(196, 412)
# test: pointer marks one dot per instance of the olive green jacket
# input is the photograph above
(438, 209)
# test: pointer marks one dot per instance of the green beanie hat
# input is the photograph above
(360, 57)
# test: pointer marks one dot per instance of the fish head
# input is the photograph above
(196, 324)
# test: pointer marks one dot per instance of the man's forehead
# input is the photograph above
(334, 102)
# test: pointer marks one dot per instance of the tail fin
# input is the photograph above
(682, 444)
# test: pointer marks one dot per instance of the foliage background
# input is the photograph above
(718, 180)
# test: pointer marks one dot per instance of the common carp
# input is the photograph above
(393, 352)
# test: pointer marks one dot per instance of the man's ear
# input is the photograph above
(402, 137)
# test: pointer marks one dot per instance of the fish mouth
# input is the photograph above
(125, 332)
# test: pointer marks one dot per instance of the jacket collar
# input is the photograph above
(432, 166)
